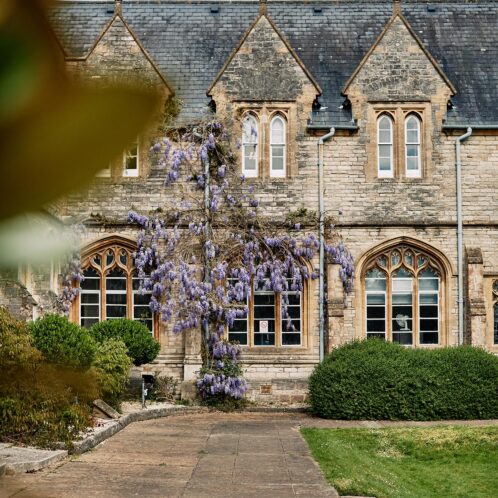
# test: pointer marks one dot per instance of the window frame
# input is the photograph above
(251, 173)
(95, 257)
(383, 262)
(273, 172)
(278, 319)
(494, 313)
(133, 172)
(390, 172)
(417, 173)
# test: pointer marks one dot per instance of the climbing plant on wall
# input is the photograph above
(202, 253)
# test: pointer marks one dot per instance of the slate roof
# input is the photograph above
(190, 43)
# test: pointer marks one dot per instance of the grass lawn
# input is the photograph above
(436, 462)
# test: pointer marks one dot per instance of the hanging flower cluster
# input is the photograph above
(341, 255)
(222, 378)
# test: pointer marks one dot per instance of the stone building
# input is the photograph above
(399, 84)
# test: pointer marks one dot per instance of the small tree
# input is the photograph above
(213, 219)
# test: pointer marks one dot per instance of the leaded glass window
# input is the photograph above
(403, 297)
(250, 146)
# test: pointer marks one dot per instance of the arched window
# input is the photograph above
(110, 289)
(278, 147)
(403, 297)
(250, 140)
(413, 159)
(268, 322)
(385, 156)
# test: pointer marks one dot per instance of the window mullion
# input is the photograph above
(389, 336)
(278, 319)
(416, 313)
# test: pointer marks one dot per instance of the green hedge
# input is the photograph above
(63, 342)
(376, 380)
(142, 347)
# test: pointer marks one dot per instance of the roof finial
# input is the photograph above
(396, 7)
(117, 7)
(263, 7)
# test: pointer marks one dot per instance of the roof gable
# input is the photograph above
(119, 24)
(268, 64)
(397, 18)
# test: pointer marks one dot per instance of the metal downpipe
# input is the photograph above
(458, 143)
(321, 211)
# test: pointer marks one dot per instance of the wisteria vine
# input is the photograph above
(201, 262)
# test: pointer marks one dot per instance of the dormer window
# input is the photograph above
(385, 155)
(278, 147)
(250, 139)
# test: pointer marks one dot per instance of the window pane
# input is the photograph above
(264, 339)
(384, 123)
(90, 283)
(384, 136)
(412, 151)
(117, 284)
(291, 339)
(429, 338)
(376, 299)
(402, 299)
(377, 284)
(141, 312)
(402, 285)
(240, 338)
(404, 339)
(385, 164)
(115, 312)
(377, 336)
(90, 311)
(115, 298)
(277, 163)
(88, 322)
(250, 152)
(429, 325)
(89, 298)
(376, 325)
(428, 298)
(376, 312)
(412, 163)
(250, 130)
(429, 312)
(385, 151)
(428, 284)
(412, 137)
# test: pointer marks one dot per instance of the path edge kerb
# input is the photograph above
(79, 447)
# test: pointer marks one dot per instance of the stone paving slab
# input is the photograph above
(240, 455)
(17, 459)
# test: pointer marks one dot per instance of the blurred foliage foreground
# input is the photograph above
(55, 133)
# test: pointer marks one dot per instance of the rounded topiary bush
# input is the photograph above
(376, 380)
(63, 342)
(112, 365)
(142, 347)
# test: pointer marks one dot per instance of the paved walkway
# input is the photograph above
(207, 455)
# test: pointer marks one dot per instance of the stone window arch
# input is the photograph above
(110, 289)
(404, 296)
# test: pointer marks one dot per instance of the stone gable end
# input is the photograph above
(263, 69)
(117, 53)
(398, 69)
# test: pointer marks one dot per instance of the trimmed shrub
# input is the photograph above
(15, 341)
(63, 342)
(112, 365)
(142, 347)
(377, 380)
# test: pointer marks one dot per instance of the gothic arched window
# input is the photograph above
(403, 296)
(110, 288)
